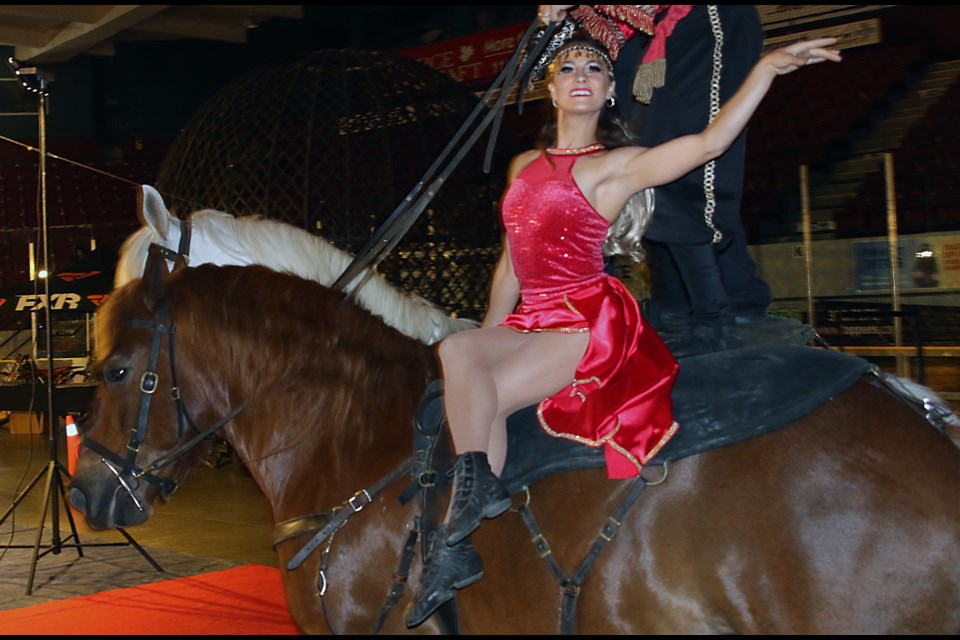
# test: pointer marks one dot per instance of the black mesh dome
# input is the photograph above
(332, 141)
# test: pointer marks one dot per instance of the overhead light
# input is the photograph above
(33, 79)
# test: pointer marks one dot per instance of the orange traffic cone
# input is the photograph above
(73, 445)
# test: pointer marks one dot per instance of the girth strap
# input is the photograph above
(571, 584)
(425, 473)
(400, 577)
(356, 503)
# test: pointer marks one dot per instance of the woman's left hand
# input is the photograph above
(553, 12)
(801, 54)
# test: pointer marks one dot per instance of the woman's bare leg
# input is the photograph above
(490, 373)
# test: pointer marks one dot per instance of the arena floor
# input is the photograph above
(217, 519)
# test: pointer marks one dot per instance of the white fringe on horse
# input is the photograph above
(928, 402)
(223, 239)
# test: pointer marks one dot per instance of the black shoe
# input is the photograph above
(477, 494)
(774, 330)
(747, 314)
(447, 568)
(666, 320)
(703, 339)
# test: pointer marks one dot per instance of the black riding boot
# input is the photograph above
(477, 494)
(448, 568)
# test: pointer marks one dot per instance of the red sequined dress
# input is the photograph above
(620, 398)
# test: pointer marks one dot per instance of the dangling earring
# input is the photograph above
(554, 103)
(611, 101)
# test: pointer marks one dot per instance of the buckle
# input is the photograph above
(353, 501)
(148, 382)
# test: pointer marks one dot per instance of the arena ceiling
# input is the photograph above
(43, 34)
(58, 32)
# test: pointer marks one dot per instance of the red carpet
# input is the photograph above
(247, 600)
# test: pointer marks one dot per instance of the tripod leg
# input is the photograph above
(43, 518)
(66, 507)
(23, 494)
(142, 551)
(73, 526)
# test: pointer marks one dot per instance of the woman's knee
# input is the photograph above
(478, 348)
(456, 349)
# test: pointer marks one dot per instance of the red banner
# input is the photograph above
(472, 60)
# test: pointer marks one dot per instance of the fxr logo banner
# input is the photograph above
(61, 302)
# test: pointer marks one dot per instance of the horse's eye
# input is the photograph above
(115, 374)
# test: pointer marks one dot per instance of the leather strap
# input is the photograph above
(570, 585)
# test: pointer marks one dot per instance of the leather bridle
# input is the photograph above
(126, 468)
(183, 249)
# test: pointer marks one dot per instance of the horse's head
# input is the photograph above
(138, 441)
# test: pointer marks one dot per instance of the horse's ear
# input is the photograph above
(152, 210)
(155, 274)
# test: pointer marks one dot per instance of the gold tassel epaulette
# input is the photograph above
(650, 76)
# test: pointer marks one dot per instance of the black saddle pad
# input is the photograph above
(719, 399)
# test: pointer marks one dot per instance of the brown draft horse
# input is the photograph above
(845, 522)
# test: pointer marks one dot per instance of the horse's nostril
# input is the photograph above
(78, 499)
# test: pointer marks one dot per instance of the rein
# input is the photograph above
(389, 234)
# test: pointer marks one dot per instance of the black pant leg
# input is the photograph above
(749, 295)
(698, 266)
(668, 308)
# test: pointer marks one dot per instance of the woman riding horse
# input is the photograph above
(576, 338)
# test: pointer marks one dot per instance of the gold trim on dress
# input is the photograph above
(652, 453)
(576, 392)
(626, 454)
(608, 439)
(561, 151)
(566, 301)
(663, 441)
(555, 330)
(569, 436)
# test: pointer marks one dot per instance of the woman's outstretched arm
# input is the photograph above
(666, 162)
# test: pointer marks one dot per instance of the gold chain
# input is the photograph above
(709, 170)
